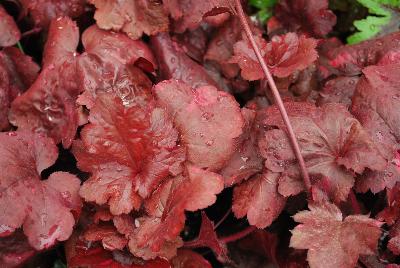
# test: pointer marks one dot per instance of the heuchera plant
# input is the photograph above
(182, 133)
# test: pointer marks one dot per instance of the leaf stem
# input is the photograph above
(277, 97)
(239, 235)
(20, 47)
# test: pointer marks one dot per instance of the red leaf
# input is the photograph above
(284, 55)
(246, 161)
(108, 235)
(17, 72)
(175, 64)
(128, 150)
(209, 121)
(9, 32)
(43, 11)
(208, 238)
(44, 206)
(188, 14)
(332, 241)
(189, 259)
(158, 235)
(132, 17)
(351, 59)
(333, 143)
(258, 198)
(308, 16)
(375, 105)
(338, 90)
(49, 106)
(14, 250)
(394, 241)
(220, 48)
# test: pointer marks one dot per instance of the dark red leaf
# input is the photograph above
(189, 259)
(49, 106)
(258, 198)
(332, 240)
(175, 64)
(220, 48)
(188, 14)
(14, 250)
(209, 121)
(132, 17)
(44, 206)
(308, 16)
(128, 150)
(9, 32)
(208, 238)
(107, 234)
(375, 105)
(17, 72)
(394, 241)
(333, 143)
(43, 11)
(284, 55)
(338, 90)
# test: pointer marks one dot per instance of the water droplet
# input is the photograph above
(389, 174)
(173, 60)
(209, 142)
(66, 195)
(245, 159)
(12, 134)
(201, 135)
(220, 42)
(379, 135)
(206, 116)
(137, 223)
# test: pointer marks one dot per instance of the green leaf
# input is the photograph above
(372, 25)
(266, 8)
(59, 264)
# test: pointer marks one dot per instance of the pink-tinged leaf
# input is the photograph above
(43, 11)
(258, 198)
(131, 17)
(175, 64)
(308, 16)
(158, 234)
(338, 90)
(284, 55)
(63, 39)
(128, 150)
(332, 241)
(188, 14)
(17, 73)
(15, 250)
(246, 161)
(350, 60)
(107, 234)
(44, 206)
(391, 212)
(49, 106)
(208, 238)
(333, 143)
(220, 48)
(9, 32)
(189, 259)
(375, 105)
(209, 121)
(194, 43)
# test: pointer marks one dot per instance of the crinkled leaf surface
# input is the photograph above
(49, 105)
(43, 11)
(308, 16)
(132, 17)
(258, 198)
(175, 64)
(128, 150)
(375, 104)
(333, 143)
(44, 206)
(9, 32)
(209, 121)
(284, 55)
(189, 259)
(331, 240)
